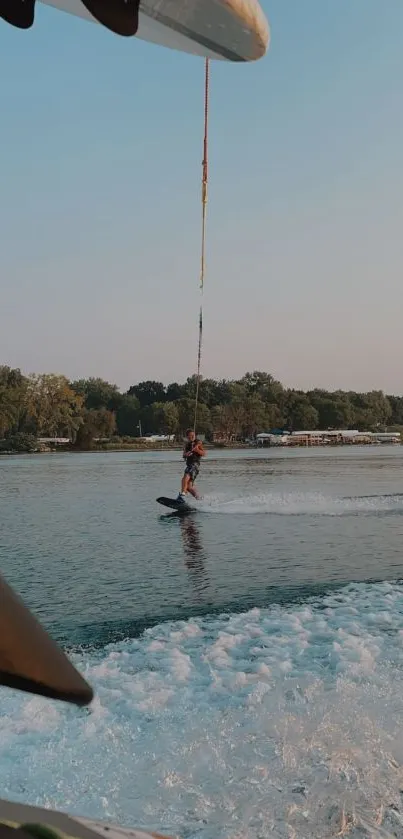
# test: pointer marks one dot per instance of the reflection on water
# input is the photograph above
(195, 556)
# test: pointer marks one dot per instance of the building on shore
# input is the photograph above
(335, 437)
(54, 441)
(157, 438)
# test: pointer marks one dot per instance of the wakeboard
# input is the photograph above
(173, 504)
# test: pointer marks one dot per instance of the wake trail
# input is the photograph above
(304, 503)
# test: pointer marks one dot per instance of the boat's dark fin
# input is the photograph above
(120, 16)
(19, 13)
(29, 658)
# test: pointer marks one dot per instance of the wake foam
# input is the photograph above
(284, 722)
(298, 504)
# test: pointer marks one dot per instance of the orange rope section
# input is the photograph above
(203, 238)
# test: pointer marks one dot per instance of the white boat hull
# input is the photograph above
(231, 30)
(68, 827)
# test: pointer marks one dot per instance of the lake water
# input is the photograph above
(247, 659)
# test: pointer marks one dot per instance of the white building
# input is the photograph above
(158, 438)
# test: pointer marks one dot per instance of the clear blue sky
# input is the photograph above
(100, 202)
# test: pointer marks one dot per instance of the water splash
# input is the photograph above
(284, 721)
(302, 503)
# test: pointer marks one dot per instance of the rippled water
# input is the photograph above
(247, 659)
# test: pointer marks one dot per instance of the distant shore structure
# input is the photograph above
(326, 438)
(337, 437)
(158, 438)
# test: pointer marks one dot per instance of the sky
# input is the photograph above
(100, 210)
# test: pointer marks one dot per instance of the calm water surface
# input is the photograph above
(85, 543)
(247, 659)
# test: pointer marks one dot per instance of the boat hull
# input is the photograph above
(230, 30)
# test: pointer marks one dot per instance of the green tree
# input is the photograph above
(186, 410)
(49, 405)
(147, 419)
(371, 410)
(98, 393)
(254, 416)
(301, 415)
(204, 425)
(98, 422)
(148, 392)
(228, 420)
(164, 417)
(128, 416)
(175, 391)
(223, 421)
(265, 386)
(239, 395)
(170, 418)
(380, 406)
(396, 406)
(53, 407)
(13, 391)
(211, 392)
(19, 442)
(334, 409)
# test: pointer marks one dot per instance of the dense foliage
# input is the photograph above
(50, 405)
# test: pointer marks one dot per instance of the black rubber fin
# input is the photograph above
(20, 13)
(120, 16)
(29, 658)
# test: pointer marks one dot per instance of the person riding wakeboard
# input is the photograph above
(192, 454)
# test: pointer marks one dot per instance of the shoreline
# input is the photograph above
(123, 448)
(150, 447)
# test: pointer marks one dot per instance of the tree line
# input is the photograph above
(50, 405)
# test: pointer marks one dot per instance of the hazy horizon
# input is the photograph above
(100, 211)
